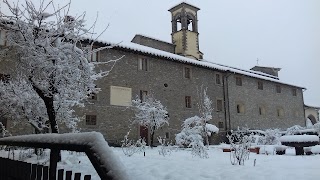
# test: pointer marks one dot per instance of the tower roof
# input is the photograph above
(184, 4)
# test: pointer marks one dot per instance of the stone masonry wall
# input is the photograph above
(115, 121)
(251, 97)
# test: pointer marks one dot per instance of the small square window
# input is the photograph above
(240, 108)
(188, 101)
(92, 96)
(143, 64)
(278, 88)
(220, 125)
(4, 77)
(91, 120)
(238, 81)
(219, 105)
(280, 112)
(95, 56)
(262, 111)
(187, 72)
(218, 79)
(167, 135)
(143, 95)
(294, 92)
(260, 85)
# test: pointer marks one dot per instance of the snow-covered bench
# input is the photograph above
(299, 142)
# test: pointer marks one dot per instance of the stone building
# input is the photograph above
(174, 73)
(312, 113)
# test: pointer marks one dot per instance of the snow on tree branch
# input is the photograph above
(50, 66)
(150, 113)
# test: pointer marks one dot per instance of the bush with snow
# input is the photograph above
(129, 147)
(165, 147)
(271, 137)
(240, 143)
(294, 130)
(150, 113)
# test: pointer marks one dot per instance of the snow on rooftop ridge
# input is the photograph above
(207, 64)
(312, 106)
(250, 71)
(153, 38)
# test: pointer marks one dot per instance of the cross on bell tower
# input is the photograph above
(185, 30)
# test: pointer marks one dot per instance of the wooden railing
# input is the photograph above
(18, 170)
(92, 143)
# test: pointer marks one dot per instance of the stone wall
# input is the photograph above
(165, 79)
(252, 98)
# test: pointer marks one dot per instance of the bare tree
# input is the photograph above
(51, 72)
(240, 142)
(150, 113)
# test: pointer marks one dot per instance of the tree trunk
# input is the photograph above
(151, 136)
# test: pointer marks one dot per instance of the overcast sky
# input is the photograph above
(281, 33)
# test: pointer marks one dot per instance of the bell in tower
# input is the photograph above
(185, 30)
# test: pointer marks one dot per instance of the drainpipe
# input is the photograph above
(226, 100)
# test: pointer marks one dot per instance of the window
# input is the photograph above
(92, 96)
(220, 125)
(188, 101)
(167, 135)
(2, 38)
(218, 79)
(143, 95)
(143, 64)
(240, 108)
(219, 105)
(238, 81)
(262, 111)
(4, 77)
(294, 92)
(187, 72)
(278, 88)
(280, 112)
(95, 56)
(260, 85)
(91, 120)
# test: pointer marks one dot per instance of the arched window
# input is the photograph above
(280, 112)
(240, 108)
(262, 110)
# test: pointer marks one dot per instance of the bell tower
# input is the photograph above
(185, 30)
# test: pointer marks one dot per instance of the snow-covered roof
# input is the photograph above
(203, 63)
(312, 107)
(154, 38)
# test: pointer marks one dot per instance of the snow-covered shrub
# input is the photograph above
(240, 143)
(191, 135)
(26, 153)
(150, 113)
(271, 137)
(129, 147)
(309, 124)
(165, 147)
(4, 132)
(294, 130)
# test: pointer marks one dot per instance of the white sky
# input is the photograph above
(281, 33)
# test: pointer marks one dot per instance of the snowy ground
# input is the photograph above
(181, 165)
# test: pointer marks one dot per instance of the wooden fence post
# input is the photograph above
(54, 158)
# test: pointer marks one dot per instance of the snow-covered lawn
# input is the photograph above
(180, 165)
